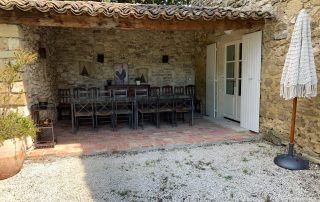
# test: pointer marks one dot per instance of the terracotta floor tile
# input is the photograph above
(86, 141)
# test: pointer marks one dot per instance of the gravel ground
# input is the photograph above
(227, 172)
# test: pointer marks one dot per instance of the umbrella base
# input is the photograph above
(290, 161)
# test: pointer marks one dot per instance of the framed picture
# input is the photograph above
(121, 73)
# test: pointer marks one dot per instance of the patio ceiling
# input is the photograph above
(112, 15)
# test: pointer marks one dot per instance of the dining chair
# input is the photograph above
(190, 90)
(154, 91)
(141, 92)
(167, 90)
(80, 92)
(184, 105)
(64, 105)
(103, 108)
(179, 90)
(123, 106)
(166, 106)
(120, 93)
(93, 92)
(147, 107)
(82, 109)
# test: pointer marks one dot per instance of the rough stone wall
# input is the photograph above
(71, 49)
(37, 79)
(11, 37)
(275, 112)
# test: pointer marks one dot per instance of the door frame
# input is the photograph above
(236, 43)
(214, 82)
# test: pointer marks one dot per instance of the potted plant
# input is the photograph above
(14, 127)
(138, 80)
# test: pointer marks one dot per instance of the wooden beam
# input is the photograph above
(36, 18)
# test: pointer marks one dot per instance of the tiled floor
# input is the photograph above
(87, 141)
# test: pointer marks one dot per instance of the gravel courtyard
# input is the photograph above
(225, 172)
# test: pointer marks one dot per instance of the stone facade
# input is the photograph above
(72, 49)
(275, 112)
(68, 50)
(37, 79)
(11, 38)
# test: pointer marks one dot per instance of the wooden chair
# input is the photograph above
(167, 90)
(166, 105)
(123, 106)
(190, 91)
(82, 109)
(93, 92)
(141, 92)
(148, 108)
(183, 106)
(64, 105)
(179, 90)
(80, 92)
(154, 91)
(103, 107)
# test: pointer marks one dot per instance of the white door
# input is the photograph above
(233, 74)
(250, 99)
(210, 80)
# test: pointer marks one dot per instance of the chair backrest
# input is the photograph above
(179, 90)
(93, 92)
(140, 92)
(80, 92)
(154, 91)
(190, 90)
(167, 90)
(120, 93)
(82, 105)
(103, 94)
(103, 104)
(64, 96)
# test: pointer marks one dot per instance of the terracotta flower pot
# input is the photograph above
(12, 155)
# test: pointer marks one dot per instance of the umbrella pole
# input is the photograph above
(293, 124)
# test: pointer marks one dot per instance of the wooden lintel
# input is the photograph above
(35, 18)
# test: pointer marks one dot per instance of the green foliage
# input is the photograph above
(13, 124)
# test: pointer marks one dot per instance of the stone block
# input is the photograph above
(13, 44)
(10, 31)
(23, 110)
(315, 2)
(18, 99)
(18, 87)
(3, 44)
(6, 54)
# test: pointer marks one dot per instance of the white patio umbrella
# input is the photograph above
(298, 79)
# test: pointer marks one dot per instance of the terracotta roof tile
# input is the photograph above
(136, 10)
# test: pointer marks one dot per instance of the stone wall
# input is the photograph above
(275, 112)
(11, 37)
(37, 79)
(71, 49)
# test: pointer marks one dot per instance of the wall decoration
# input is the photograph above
(142, 73)
(85, 68)
(121, 73)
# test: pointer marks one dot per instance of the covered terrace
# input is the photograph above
(82, 44)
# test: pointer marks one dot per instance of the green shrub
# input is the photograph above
(14, 125)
